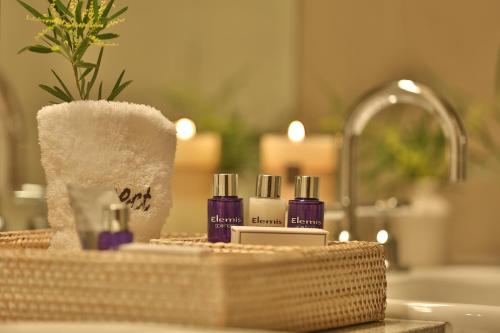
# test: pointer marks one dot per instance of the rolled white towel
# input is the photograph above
(129, 146)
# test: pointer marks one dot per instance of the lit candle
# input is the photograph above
(296, 153)
(196, 159)
(200, 152)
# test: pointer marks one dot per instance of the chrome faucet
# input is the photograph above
(397, 92)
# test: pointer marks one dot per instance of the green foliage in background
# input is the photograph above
(217, 112)
(70, 30)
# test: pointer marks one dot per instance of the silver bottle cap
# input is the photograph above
(225, 184)
(118, 216)
(307, 187)
(268, 186)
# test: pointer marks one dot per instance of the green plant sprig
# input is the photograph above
(70, 29)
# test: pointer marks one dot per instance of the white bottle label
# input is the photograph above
(263, 221)
(306, 223)
(264, 212)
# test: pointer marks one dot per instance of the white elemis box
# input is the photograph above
(278, 236)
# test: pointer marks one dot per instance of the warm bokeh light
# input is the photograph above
(344, 236)
(296, 131)
(392, 99)
(409, 85)
(185, 128)
(382, 236)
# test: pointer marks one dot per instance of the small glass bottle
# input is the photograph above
(225, 209)
(266, 209)
(306, 211)
(119, 220)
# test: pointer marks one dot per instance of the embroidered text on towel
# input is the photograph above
(136, 201)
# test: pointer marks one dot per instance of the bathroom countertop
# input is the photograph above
(394, 326)
(387, 326)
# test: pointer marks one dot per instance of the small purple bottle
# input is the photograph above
(105, 240)
(306, 211)
(115, 223)
(120, 217)
(225, 209)
(105, 237)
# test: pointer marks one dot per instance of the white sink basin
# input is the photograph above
(467, 297)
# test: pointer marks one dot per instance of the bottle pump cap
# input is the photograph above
(307, 187)
(225, 184)
(268, 186)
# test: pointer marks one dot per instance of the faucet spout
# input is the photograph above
(398, 92)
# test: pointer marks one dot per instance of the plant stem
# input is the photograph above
(75, 72)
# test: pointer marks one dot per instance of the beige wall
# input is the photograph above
(353, 45)
(475, 222)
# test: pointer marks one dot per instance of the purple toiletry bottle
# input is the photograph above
(225, 209)
(105, 237)
(119, 221)
(105, 240)
(306, 211)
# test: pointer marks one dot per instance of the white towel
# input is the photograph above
(128, 146)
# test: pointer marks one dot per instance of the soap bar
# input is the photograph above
(278, 236)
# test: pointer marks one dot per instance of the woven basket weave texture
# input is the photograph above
(282, 288)
(34, 239)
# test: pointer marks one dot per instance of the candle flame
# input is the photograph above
(186, 129)
(296, 131)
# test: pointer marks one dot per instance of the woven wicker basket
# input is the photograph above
(282, 288)
(33, 239)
